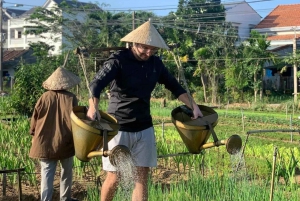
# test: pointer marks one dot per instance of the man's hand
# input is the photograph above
(91, 113)
(197, 113)
(188, 101)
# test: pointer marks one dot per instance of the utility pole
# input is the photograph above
(133, 26)
(295, 67)
(1, 48)
(133, 20)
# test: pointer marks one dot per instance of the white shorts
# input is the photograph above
(142, 146)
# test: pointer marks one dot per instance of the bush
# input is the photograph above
(28, 86)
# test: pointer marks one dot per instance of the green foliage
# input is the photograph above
(42, 18)
(259, 106)
(293, 58)
(159, 91)
(198, 95)
(256, 55)
(28, 86)
(40, 49)
(29, 78)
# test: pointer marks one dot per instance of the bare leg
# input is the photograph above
(109, 186)
(140, 191)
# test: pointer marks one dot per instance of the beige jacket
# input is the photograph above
(51, 126)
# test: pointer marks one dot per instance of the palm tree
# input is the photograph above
(256, 55)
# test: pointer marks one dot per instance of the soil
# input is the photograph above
(80, 185)
(79, 189)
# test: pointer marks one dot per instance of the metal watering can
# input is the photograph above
(91, 136)
(195, 133)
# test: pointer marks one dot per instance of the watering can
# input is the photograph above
(195, 133)
(91, 136)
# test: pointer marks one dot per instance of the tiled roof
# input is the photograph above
(76, 4)
(9, 55)
(275, 48)
(282, 16)
(9, 12)
(283, 37)
(28, 12)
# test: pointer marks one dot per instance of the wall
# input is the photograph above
(244, 16)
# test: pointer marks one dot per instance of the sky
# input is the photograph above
(159, 7)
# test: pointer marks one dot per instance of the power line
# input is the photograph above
(153, 8)
(179, 25)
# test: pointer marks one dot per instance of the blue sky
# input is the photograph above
(161, 7)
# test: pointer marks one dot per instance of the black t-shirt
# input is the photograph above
(132, 82)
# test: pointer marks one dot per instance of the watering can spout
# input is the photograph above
(114, 154)
(233, 144)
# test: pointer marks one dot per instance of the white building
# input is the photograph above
(282, 27)
(242, 16)
(16, 43)
(17, 26)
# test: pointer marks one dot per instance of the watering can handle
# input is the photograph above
(187, 110)
(212, 132)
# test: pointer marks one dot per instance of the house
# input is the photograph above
(15, 24)
(242, 16)
(11, 59)
(8, 14)
(282, 27)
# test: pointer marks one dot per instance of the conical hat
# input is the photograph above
(146, 34)
(61, 79)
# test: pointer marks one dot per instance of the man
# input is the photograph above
(52, 136)
(133, 74)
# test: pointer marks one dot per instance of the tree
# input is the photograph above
(29, 78)
(256, 55)
(219, 47)
(181, 29)
(294, 58)
(63, 21)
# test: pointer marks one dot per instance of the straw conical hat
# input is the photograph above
(146, 34)
(61, 79)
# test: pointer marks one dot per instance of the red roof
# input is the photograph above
(282, 16)
(9, 55)
(283, 37)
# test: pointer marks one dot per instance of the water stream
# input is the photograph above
(238, 165)
(126, 173)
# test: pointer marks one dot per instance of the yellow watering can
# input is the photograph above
(195, 133)
(92, 136)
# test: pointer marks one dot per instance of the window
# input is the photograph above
(19, 34)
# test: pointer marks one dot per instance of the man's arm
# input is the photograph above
(103, 77)
(187, 101)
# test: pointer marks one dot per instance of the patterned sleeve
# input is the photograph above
(103, 77)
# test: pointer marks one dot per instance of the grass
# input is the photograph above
(210, 175)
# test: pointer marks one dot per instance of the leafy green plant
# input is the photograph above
(28, 86)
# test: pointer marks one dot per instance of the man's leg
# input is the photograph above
(109, 186)
(140, 191)
(48, 168)
(66, 179)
